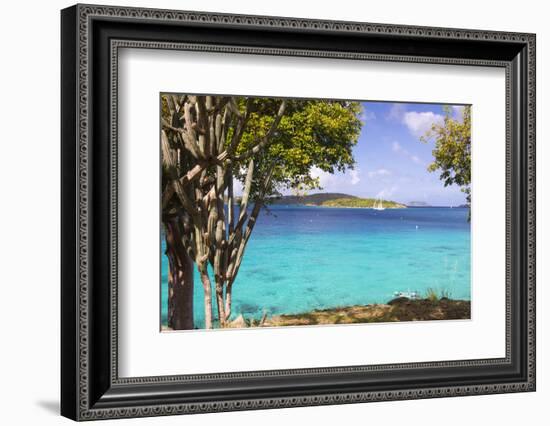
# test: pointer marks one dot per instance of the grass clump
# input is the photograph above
(433, 296)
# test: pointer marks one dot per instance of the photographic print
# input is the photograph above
(312, 212)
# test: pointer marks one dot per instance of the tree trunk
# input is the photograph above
(180, 281)
(221, 304)
(228, 291)
(207, 299)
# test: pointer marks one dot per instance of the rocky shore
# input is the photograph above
(396, 310)
(400, 309)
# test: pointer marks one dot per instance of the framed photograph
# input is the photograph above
(263, 212)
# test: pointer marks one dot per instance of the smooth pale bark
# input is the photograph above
(207, 287)
(180, 281)
(228, 300)
(223, 317)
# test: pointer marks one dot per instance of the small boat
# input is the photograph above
(413, 295)
(378, 205)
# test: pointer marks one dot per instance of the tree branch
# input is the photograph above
(167, 194)
(230, 206)
(244, 237)
(169, 160)
(188, 205)
(246, 194)
(202, 123)
(242, 119)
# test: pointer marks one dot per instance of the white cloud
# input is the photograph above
(396, 112)
(237, 188)
(325, 178)
(387, 192)
(337, 182)
(354, 174)
(458, 112)
(419, 123)
(379, 172)
(416, 160)
(367, 116)
(396, 147)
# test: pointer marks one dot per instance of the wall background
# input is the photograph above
(29, 213)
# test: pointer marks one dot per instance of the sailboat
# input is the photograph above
(378, 205)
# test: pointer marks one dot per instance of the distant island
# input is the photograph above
(364, 203)
(424, 204)
(337, 200)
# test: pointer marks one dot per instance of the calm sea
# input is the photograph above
(301, 258)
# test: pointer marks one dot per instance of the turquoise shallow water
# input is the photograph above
(301, 258)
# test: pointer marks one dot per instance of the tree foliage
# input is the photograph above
(311, 133)
(452, 152)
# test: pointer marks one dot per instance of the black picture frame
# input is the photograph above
(90, 386)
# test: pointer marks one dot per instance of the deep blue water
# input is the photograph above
(301, 258)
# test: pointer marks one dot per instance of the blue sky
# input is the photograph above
(391, 162)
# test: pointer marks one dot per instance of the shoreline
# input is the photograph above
(404, 207)
(350, 207)
(400, 309)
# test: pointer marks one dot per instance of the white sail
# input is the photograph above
(378, 205)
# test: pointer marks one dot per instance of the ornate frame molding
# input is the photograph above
(80, 19)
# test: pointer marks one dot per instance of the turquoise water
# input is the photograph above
(301, 258)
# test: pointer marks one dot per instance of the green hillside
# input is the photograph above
(311, 199)
(328, 199)
(362, 203)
